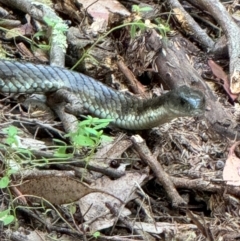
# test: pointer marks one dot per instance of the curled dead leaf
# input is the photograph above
(221, 75)
(231, 171)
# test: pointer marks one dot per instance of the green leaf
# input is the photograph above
(39, 34)
(97, 234)
(12, 131)
(12, 171)
(60, 151)
(85, 122)
(11, 140)
(83, 141)
(26, 152)
(133, 31)
(4, 213)
(4, 182)
(91, 131)
(141, 25)
(8, 219)
(44, 46)
(135, 8)
(72, 208)
(5, 217)
(59, 142)
(101, 126)
(145, 9)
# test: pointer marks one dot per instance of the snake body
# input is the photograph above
(126, 111)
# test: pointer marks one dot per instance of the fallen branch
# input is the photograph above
(232, 32)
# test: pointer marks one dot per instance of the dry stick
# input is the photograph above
(134, 85)
(202, 185)
(114, 209)
(199, 34)
(78, 162)
(232, 31)
(16, 237)
(26, 121)
(146, 155)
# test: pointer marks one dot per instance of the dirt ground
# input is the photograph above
(176, 181)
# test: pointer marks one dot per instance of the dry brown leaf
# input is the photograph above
(103, 8)
(93, 205)
(57, 190)
(22, 30)
(231, 171)
(220, 74)
(102, 11)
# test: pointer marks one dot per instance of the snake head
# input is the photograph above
(185, 101)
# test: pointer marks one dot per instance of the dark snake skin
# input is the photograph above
(126, 111)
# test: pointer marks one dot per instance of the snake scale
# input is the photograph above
(126, 111)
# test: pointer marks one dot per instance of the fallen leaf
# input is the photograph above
(93, 205)
(231, 171)
(22, 30)
(103, 8)
(57, 190)
(220, 74)
(101, 12)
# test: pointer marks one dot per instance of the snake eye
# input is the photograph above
(182, 102)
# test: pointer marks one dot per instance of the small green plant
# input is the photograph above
(60, 150)
(11, 133)
(11, 140)
(97, 234)
(90, 133)
(6, 217)
(12, 143)
(58, 29)
(4, 181)
(136, 25)
(141, 26)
